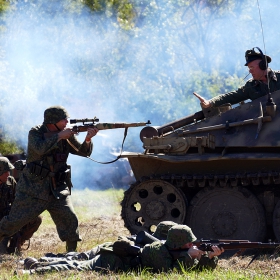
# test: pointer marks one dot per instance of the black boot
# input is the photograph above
(30, 263)
(71, 246)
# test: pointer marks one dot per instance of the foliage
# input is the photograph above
(9, 147)
(3, 5)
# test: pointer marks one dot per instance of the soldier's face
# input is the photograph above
(62, 124)
(187, 245)
(255, 70)
(4, 176)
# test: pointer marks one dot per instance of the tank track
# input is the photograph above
(222, 180)
(198, 182)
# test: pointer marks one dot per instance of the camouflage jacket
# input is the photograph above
(158, 257)
(48, 153)
(7, 196)
(252, 89)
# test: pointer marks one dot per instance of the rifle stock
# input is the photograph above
(99, 126)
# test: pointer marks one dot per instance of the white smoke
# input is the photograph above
(87, 64)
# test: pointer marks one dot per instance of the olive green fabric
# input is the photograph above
(104, 260)
(157, 257)
(252, 90)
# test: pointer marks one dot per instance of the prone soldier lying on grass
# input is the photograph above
(123, 255)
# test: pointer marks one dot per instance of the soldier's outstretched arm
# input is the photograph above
(204, 102)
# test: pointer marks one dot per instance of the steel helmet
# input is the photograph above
(162, 229)
(5, 165)
(178, 236)
(55, 114)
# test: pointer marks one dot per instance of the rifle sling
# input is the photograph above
(117, 158)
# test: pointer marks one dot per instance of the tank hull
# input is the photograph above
(220, 176)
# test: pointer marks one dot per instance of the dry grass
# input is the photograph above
(98, 225)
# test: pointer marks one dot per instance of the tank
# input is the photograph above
(217, 170)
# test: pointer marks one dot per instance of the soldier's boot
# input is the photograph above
(30, 263)
(71, 246)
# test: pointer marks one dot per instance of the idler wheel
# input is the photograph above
(150, 202)
(276, 221)
(226, 213)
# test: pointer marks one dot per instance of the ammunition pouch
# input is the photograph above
(43, 172)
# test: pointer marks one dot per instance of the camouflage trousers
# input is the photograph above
(14, 244)
(26, 208)
(94, 264)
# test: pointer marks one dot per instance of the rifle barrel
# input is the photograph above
(238, 245)
(103, 126)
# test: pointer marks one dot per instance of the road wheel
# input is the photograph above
(150, 202)
(226, 213)
(276, 221)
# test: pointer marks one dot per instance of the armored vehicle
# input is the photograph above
(218, 171)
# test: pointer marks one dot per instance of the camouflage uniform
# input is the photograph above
(45, 183)
(252, 89)
(158, 256)
(104, 259)
(7, 196)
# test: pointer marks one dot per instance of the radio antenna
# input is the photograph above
(270, 105)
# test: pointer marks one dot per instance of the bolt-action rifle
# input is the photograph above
(91, 123)
(144, 238)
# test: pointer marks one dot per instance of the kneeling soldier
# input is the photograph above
(7, 196)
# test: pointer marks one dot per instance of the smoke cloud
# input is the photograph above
(87, 64)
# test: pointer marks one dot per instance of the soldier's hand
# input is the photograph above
(195, 253)
(204, 103)
(65, 134)
(91, 132)
(217, 251)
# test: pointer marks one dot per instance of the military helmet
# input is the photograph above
(162, 229)
(178, 236)
(5, 165)
(55, 114)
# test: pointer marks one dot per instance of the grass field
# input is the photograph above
(99, 216)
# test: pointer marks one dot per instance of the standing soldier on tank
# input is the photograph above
(45, 182)
(7, 196)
